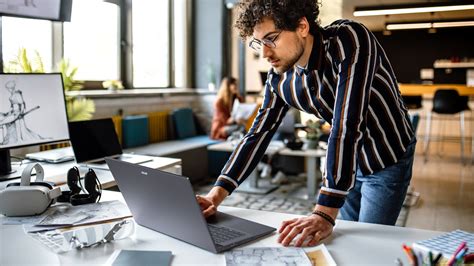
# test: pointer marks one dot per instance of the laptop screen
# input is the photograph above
(94, 139)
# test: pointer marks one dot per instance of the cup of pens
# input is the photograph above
(422, 257)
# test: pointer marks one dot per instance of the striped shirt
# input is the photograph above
(350, 83)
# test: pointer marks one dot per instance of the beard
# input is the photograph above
(294, 56)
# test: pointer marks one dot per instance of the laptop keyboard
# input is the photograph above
(223, 234)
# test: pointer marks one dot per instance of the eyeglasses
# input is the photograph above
(268, 42)
(64, 240)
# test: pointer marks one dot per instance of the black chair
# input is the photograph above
(413, 101)
(447, 102)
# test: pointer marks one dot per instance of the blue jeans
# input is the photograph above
(378, 198)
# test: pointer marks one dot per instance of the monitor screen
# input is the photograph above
(93, 140)
(32, 110)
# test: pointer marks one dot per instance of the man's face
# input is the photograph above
(289, 46)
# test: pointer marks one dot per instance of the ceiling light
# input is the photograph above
(413, 8)
(427, 25)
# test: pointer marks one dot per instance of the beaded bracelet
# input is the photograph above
(325, 216)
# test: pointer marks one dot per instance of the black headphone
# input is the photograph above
(91, 184)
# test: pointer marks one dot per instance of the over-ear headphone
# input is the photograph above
(91, 184)
(28, 198)
(73, 181)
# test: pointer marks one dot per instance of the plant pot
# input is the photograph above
(312, 144)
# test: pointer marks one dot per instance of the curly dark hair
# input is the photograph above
(285, 13)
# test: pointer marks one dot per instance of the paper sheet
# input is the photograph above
(62, 215)
(267, 256)
(320, 256)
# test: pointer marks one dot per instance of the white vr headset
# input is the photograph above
(25, 198)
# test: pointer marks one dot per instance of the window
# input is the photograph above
(31, 34)
(92, 38)
(151, 43)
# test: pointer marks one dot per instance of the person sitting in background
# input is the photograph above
(223, 125)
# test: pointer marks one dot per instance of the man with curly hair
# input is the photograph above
(339, 73)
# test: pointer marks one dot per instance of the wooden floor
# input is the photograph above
(446, 187)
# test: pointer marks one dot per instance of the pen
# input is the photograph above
(436, 260)
(409, 254)
(430, 257)
(415, 258)
(453, 258)
(460, 256)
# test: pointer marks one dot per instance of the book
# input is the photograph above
(140, 257)
(445, 244)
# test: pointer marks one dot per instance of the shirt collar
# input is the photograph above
(316, 56)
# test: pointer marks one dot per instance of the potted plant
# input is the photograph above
(313, 132)
(112, 85)
(77, 108)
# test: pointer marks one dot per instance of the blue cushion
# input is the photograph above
(134, 131)
(183, 121)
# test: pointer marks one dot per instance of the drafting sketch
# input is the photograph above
(87, 213)
(267, 256)
(13, 126)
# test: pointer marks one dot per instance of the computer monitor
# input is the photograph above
(32, 112)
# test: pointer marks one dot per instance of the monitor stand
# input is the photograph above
(6, 171)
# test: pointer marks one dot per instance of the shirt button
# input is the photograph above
(312, 88)
(320, 110)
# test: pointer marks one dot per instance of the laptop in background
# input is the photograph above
(166, 203)
(94, 140)
(52, 156)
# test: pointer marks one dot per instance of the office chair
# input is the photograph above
(447, 102)
(413, 101)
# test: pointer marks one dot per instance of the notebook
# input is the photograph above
(140, 257)
(446, 243)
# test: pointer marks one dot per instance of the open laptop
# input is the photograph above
(166, 203)
(93, 140)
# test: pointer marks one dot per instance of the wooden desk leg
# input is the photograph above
(250, 185)
(313, 174)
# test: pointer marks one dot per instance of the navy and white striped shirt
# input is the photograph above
(349, 82)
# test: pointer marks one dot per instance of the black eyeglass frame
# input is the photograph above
(256, 44)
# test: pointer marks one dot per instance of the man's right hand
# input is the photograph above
(207, 206)
(213, 199)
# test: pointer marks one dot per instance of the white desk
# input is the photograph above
(350, 244)
(57, 173)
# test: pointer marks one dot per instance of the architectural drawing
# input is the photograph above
(267, 256)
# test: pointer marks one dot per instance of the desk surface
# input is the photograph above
(351, 243)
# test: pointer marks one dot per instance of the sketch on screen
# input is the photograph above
(13, 126)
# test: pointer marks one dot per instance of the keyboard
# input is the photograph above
(223, 234)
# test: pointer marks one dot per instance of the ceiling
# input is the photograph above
(377, 23)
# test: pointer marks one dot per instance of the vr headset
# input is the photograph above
(25, 198)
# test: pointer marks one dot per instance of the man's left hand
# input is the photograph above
(306, 231)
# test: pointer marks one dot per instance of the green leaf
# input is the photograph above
(80, 109)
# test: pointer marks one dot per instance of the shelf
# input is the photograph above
(453, 65)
